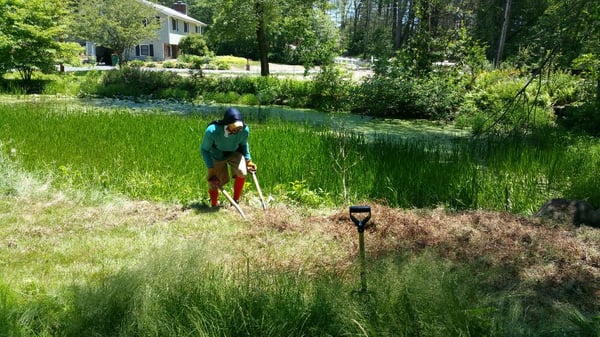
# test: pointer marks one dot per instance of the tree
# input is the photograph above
(31, 34)
(119, 25)
(308, 38)
(194, 44)
(251, 28)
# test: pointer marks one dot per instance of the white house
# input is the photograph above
(174, 25)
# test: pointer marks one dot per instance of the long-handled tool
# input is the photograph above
(235, 204)
(262, 199)
(360, 224)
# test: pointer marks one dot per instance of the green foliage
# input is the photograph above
(564, 88)
(581, 118)
(229, 59)
(332, 89)
(195, 61)
(308, 39)
(178, 291)
(504, 100)
(279, 24)
(194, 44)
(426, 296)
(299, 193)
(132, 81)
(91, 83)
(170, 64)
(296, 94)
(589, 65)
(31, 35)
(63, 84)
(436, 96)
(136, 64)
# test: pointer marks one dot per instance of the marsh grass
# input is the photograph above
(155, 156)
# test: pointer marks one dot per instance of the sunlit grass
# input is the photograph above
(151, 155)
(95, 263)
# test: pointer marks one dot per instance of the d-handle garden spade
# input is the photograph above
(262, 199)
(360, 224)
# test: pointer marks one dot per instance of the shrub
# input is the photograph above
(175, 93)
(295, 93)
(194, 61)
(394, 92)
(248, 99)
(222, 97)
(232, 60)
(194, 44)
(170, 64)
(505, 100)
(90, 83)
(332, 89)
(581, 118)
(136, 63)
(564, 88)
(222, 65)
(134, 81)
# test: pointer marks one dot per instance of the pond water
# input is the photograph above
(370, 127)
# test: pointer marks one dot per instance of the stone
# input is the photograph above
(576, 212)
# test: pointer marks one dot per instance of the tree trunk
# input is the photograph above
(400, 12)
(598, 90)
(263, 48)
(367, 27)
(503, 34)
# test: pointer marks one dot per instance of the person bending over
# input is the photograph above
(225, 144)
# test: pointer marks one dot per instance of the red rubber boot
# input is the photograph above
(214, 197)
(238, 186)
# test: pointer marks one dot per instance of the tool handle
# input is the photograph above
(360, 223)
(360, 209)
(237, 207)
(262, 199)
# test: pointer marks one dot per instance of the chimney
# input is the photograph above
(181, 7)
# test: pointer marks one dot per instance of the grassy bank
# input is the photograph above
(90, 263)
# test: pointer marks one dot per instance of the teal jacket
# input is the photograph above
(215, 146)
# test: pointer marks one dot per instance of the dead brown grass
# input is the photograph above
(558, 262)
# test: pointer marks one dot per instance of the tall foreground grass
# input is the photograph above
(179, 294)
(155, 156)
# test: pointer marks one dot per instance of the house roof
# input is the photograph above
(173, 13)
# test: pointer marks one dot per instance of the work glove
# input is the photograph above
(251, 166)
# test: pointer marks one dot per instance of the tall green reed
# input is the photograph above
(152, 155)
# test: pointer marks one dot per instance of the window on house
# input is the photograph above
(174, 25)
(185, 27)
(144, 50)
(157, 19)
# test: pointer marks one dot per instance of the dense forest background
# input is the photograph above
(521, 32)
